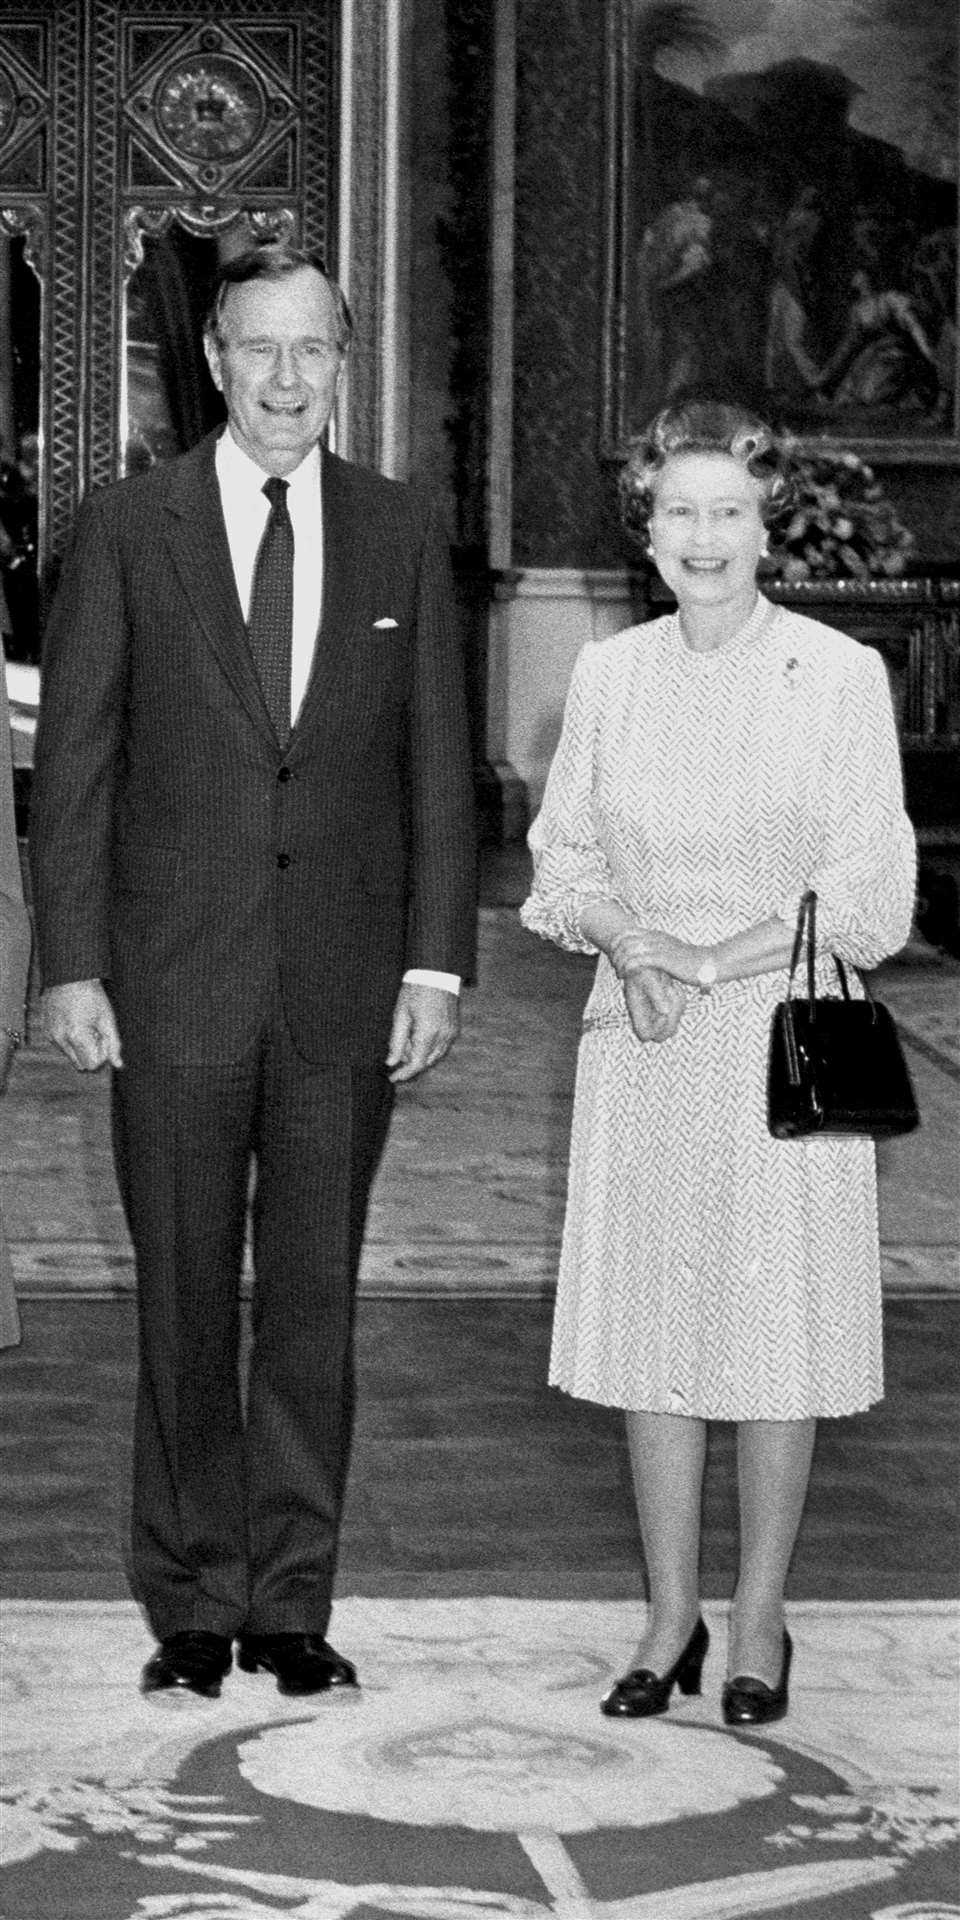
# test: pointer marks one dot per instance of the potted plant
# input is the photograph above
(839, 525)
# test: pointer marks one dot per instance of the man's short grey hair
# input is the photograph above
(273, 260)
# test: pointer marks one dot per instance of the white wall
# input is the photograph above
(540, 619)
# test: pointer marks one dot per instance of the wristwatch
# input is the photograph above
(707, 974)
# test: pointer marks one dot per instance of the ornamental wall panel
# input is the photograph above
(125, 121)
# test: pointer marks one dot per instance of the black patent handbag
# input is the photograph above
(835, 1066)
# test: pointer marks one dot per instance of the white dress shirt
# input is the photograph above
(246, 510)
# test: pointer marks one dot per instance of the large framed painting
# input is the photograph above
(782, 216)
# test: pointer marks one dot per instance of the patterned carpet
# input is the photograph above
(473, 1776)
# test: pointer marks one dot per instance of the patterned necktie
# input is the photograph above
(270, 624)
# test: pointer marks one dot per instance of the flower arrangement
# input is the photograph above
(838, 524)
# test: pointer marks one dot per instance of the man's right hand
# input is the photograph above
(80, 1021)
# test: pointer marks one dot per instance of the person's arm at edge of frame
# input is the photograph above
(15, 936)
(83, 683)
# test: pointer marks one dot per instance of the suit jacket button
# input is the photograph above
(284, 774)
(283, 861)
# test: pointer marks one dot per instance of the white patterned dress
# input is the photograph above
(708, 1269)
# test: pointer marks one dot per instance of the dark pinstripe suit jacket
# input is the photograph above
(176, 853)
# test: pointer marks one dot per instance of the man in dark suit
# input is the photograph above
(252, 851)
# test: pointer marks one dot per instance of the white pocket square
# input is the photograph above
(384, 623)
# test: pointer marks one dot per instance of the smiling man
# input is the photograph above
(275, 348)
(252, 849)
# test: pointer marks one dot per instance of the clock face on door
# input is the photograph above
(211, 107)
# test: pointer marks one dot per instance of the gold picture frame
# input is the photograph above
(783, 225)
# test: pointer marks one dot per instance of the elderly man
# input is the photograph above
(253, 864)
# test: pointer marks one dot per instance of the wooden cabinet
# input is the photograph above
(915, 625)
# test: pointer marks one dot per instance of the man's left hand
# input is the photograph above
(426, 1021)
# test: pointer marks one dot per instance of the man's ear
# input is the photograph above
(212, 352)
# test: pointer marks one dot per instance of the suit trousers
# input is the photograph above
(237, 1497)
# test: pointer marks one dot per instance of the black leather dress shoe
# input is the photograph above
(641, 1692)
(748, 1702)
(188, 1663)
(301, 1662)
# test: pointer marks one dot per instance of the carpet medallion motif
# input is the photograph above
(472, 1778)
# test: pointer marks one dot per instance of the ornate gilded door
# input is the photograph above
(137, 141)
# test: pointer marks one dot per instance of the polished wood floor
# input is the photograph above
(469, 1474)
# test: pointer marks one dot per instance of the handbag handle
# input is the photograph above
(807, 923)
(806, 917)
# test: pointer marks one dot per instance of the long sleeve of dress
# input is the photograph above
(865, 879)
(569, 864)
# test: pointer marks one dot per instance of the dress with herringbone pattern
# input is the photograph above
(708, 1269)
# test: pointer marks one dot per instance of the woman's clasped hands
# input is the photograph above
(656, 971)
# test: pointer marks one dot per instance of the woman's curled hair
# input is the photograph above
(703, 426)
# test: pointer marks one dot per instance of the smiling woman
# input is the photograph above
(706, 535)
(702, 487)
(713, 766)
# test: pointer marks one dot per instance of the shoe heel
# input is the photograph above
(690, 1667)
(642, 1692)
(248, 1662)
(749, 1702)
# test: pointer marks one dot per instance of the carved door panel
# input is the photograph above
(138, 140)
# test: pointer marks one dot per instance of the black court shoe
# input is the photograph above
(748, 1702)
(641, 1692)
